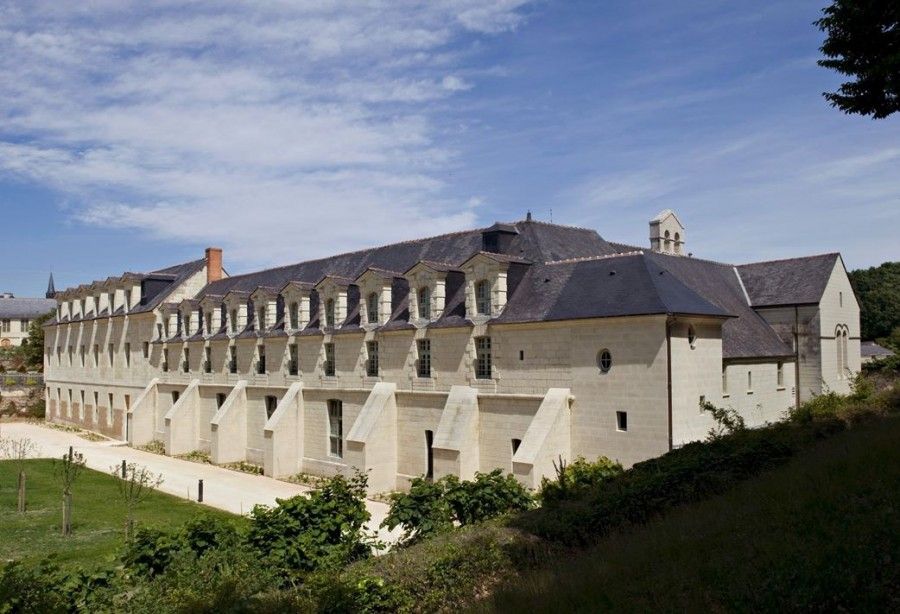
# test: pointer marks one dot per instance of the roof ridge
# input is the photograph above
(589, 258)
(571, 226)
(835, 254)
(356, 251)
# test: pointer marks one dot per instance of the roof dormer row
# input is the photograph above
(378, 293)
(115, 295)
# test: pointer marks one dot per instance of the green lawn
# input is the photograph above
(821, 533)
(98, 516)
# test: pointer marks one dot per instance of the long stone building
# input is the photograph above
(17, 314)
(503, 347)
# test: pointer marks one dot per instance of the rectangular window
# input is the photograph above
(483, 297)
(6, 325)
(261, 359)
(81, 354)
(209, 329)
(293, 359)
(186, 364)
(483, 357)
(372, 308)
(424, 364)
(127, 402)
(232, 359)
(329, 313)
(96, 355)
(109, 411)
(329, 359)
(127, 300)
(175, 396)
(335, 428)
(780, 374)
(166, 327)
(622, 421)
(207, 360)
(425, 303)
(165, 361)
(521, 355)
(261, 319)
(271, 406)
(372, 360)
(233, 317)
(71, 356)
(111, 351)
(841, 299)
(24, 324)
(128, 355)
(295, 316)
(96, 408)
(749, 381)
(724, 381)
(220, 399)
(146, 350)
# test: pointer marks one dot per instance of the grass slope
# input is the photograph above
(98, 516)
(822, 533)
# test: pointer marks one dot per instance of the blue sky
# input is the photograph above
(134, 134)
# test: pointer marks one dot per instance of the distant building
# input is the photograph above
(16, 314)
(503, 347)
(869, 351)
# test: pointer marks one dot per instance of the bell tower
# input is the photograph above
(667, 233)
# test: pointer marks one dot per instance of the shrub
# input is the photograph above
(154, 446)
(728, 420)
(574, 479)
(205, 532)
(323, 529)
(432, 507)
(149, 552)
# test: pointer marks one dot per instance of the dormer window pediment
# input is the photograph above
(488, 283)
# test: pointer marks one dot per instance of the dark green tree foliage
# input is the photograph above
(33, 347)
(863, 41)
(878, 290)
(321, 530)
(433, 507)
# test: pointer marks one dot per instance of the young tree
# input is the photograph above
(33, 347)
(67, 471)
(135, 486)
(19, 450)
(863, 41)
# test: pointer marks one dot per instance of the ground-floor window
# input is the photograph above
(622, 421)
(336, 428)
(429, 455)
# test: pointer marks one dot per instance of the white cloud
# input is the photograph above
(281, 130)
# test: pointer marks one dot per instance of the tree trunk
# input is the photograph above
(21, 504)
(67, 514)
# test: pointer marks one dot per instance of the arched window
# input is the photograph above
(329, 313)
(668, 241)
(604, 360)
(424, 296)
(677, 243)
(846, 366)
(372, 308)
(483, 297)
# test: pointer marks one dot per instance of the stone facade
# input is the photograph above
(272, 376)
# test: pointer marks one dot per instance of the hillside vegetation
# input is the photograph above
(796, 515)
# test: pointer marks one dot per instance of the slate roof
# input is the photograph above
(18, 308)
(870, 349)
(794, 281)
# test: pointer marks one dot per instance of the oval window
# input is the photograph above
(604, 360)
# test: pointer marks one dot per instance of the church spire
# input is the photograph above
(51, 288)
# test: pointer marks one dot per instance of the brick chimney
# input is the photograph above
(213, 264)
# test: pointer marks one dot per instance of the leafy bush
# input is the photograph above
(323, 529)
(154, 446)
(149, 553)
(432, 507)
(196, 456)
(44, 587)
(728, 420)
(205, 532)
(574, 479)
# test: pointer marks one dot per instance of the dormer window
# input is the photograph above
(294, 315)
(233, 318)
(372, 307)
(127, 300)
(261, 319)
(329, 313)
(166, 325)
(187, 324)
(483, 297)
(424, 302)
(111, 298)
(209, 324)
